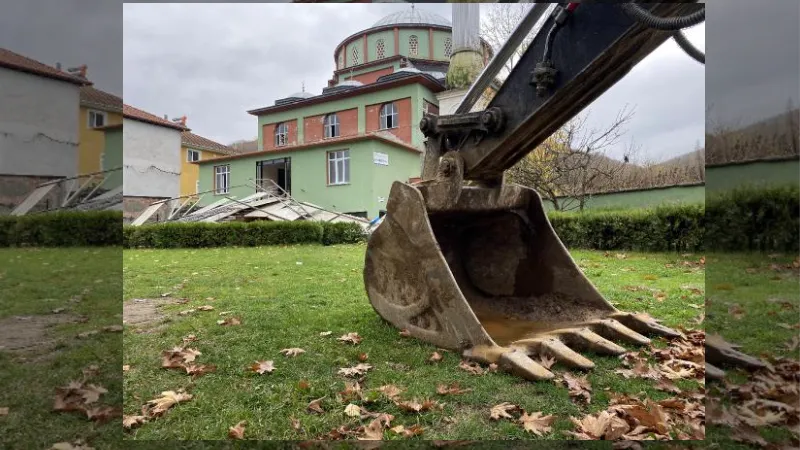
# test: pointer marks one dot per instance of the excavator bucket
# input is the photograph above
(487, 276)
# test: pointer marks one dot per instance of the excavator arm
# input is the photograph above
(472, 264)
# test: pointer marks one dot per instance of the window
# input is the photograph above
(192, 155)
(355, 56)
(339, 167)
(388, 116)
(331, 125)
(413, 45)
(97, 119)
(222, 179)
(341, 59)
(448, 47)
(379, 48)
(281, 134)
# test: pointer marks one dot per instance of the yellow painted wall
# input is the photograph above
(92, 142)
(190, 173)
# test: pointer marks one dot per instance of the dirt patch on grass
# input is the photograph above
(29, 333)
(143, 313)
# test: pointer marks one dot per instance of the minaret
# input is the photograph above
(466, 60)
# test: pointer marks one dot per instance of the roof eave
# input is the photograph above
(66, 78)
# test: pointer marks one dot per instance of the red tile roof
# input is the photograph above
(192, 140)
(93, 97)
(129, 112)
(15, 61)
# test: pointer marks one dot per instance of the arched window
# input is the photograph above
(448, 47)
(413, 45)
(341, 59)
(388, 116)
(379, 48)
(355, 56)
(331, 125)
(281, 134)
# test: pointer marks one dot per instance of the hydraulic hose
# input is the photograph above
(687, 46)
(644, 16)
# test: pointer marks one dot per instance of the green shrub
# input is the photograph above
(62, 229)
(226, 234)
(754, 219)
(342, 233)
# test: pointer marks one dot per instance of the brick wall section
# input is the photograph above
(313, 126)
(133, 206)
(268, 134)
(432, 109)
(403, 130)
(371, 77)
(15, 188)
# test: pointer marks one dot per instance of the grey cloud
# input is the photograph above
(72, 32)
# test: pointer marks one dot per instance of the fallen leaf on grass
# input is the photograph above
(435, 357)
(546, 361)
(4, 411)
(351, 338)
(187, 312)
(736, 311)
(453, 389)
(357, 370)
(660, 296)
(579, 387)
(414, 430)
(129, 422)
(416, 406)
(793, 344)
(126, 367)
(326, 333)
(316, 405)
(113, 328)
(390, 391)
(262, 367)
(205, 308)
(295, 424)
(353, 410)
(471, 367)
(502, 410)
(102, 413)
(229, 321)
(199, 370)
(237, 431)
(290, 352)
(602, 425)
(59, 310)
(362, 357)
(189, 338)
(352, 391)
(373, 431)
(87, 334)
(168, 399)
(536, 423)
(178, 357)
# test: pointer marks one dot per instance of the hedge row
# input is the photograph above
(62, 229)
(240, 234)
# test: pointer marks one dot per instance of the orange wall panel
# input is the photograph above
(403, 130)
(371, 77)
(314, 130)
(268, 134)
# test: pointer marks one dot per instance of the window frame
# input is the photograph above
(226, 177)
(95, 113)
(395, 114)
(413, 50)
(354, 53)
(380, 49)
(189, 151)
(336, 156)
(281, 134)
(448, 47)
(330, 126)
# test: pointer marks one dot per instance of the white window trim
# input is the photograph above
(89, 113)
(281, 142)
(189, 151)
(395, 114)
(331, 120)
(334, 176)
(227, 183)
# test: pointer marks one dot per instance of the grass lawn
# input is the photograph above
(286, 296)
(33, 282)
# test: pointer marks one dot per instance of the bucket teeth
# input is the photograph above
(518, 363)
(559, 351)
(714, 373)
(612, 329)
(586, 339)
(644, 324)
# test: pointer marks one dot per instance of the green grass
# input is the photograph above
(285, 304)
(34, 282)
(759, 292)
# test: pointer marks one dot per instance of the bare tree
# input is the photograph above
(500, 21)
(572, 164)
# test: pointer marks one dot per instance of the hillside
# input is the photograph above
(774, 137)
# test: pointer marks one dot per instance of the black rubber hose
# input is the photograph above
(663, 23)
(687, 46)
(548, 42)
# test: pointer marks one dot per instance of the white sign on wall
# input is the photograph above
(380, 158)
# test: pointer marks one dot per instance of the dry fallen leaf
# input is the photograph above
(414, 430)
(363, 357)
(229, 321)
(316, 405)
(129, 422)
(454, 388)
(602, 425)
(262, 367)
(471, 367)
(359, 369)
(536, 423)
(502, 410)
(416, 406)
(373, 431)
(736, 311)
(351, 338)
(295, 424)
(4, 411)
(168, 399)
(390, 391)
(292, 351)
(546, 361)
(206, 308)
(579, 387)
(126, 367)
(237, 431)
(435, 357)
(353, 410)
(326, 333)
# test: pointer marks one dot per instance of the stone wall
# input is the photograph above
(15, 188)
(132, 207)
